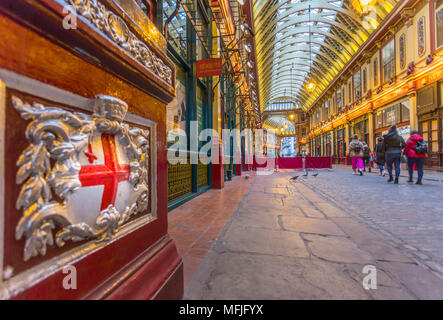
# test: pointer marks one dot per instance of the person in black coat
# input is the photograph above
(366, 157)
(393, 145)
(380, 158)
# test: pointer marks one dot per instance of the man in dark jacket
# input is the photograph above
(380, 155)
(393, 144)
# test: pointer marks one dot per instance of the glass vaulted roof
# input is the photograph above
(299, 42)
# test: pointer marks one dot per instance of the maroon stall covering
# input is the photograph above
(318, 162)
(290, 163)
(295, 163)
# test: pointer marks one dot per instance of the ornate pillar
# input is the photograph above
(413, 119)
(346, 142)
(98, 126)
(371, 130)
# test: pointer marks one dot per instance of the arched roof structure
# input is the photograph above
(299, 41)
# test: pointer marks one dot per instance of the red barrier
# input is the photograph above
(311, 163)
(318, 162)
(262, 162)
(295, 163)
(290, 163)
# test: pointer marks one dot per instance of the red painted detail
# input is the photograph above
(91, 156)
(238, 169)
(218, 170)
(109, 174)
(163, 265)
(432, 25)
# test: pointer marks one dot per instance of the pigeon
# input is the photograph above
(315, 174)
(294, 177)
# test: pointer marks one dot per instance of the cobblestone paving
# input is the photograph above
(312, 238)
(408, 214)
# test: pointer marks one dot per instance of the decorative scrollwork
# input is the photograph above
(116, 29)
(61, 135)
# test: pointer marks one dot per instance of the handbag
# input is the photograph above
(404, 158)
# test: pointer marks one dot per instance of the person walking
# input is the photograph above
(380, 158)
(366, 157)
(393, 145)
(415, 150)
(356, 154)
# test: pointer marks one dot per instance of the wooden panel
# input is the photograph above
(33, 55)
(179, 181)
(202, 175)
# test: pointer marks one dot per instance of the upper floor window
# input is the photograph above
(177, 28)
(148, 7)
(365, 81)
(375, 70)
(357, 85)
(350, 92)
(402, 50)
(339, 100)
(439, 22)
(388, 60)
(421, 36)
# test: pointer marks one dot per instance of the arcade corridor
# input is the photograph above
(310, 239)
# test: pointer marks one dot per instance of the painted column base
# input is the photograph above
(238, 169)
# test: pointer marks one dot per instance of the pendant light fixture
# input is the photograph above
(310, 86)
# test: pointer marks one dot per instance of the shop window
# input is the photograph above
(402, 50)
(391, 115)
(201, 97)
(388, 60)
(421, 36)
(439, 22)
(404, 111)
(434, 135)
(426, 99)
(176, 110)
(375, 69)
(379, 120)
(425, 130)
(429, 131)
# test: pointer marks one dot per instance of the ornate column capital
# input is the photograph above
(406, 16)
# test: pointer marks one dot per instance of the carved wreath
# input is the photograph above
(62, 136)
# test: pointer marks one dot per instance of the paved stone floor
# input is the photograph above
(195, 225)
(311, 239)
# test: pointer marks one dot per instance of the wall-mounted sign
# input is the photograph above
(209, 67)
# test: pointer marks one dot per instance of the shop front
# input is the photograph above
(326, 138)
(394, 113)
(360, 127)
(339, 145)
(430, 122)
(318, 146)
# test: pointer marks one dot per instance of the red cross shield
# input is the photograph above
(104, 176)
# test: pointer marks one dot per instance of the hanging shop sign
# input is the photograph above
(209, 67)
